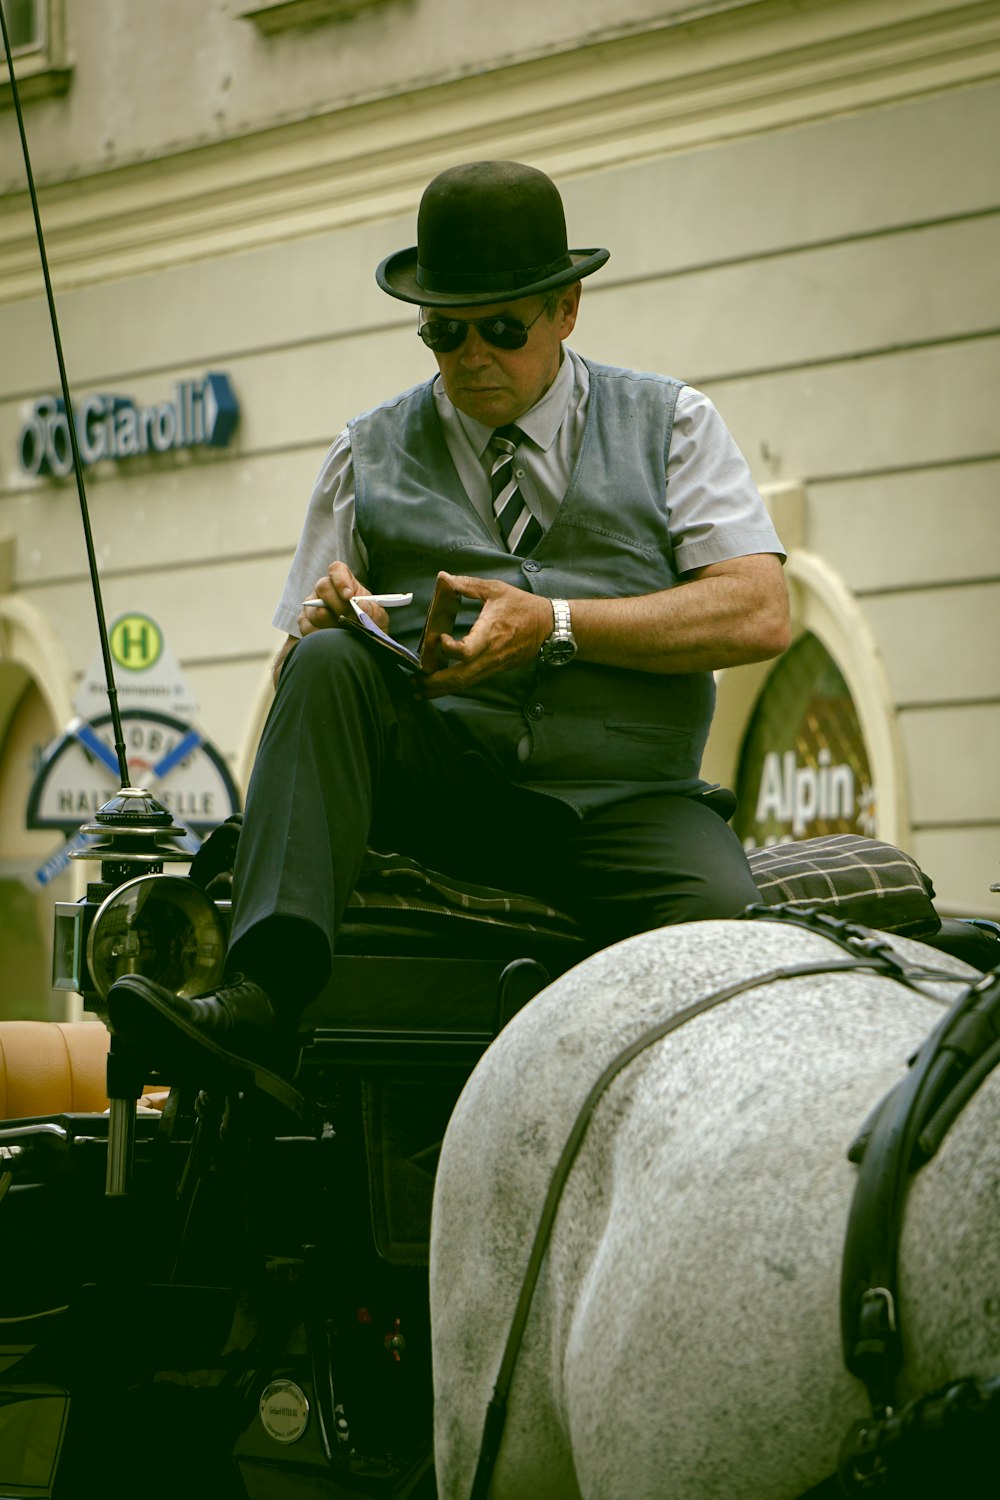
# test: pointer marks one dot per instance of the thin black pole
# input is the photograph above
(109, 675)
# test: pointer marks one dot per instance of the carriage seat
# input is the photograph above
(419, 948)
(401, 912)
(465, 936)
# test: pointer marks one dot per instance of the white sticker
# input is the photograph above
(284, 1411)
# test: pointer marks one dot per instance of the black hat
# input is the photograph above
(486, 231)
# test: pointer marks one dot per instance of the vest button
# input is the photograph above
(530, 566)
(535, 710)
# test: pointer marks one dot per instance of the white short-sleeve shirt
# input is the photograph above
(715, 510)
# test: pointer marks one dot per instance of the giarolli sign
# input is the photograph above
(201, 414)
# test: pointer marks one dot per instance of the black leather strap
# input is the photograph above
(952, 1062)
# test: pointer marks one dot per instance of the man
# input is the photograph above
(611, 552)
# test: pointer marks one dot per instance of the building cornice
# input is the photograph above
(670, 87)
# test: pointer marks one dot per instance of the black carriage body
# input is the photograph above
(251, 1318)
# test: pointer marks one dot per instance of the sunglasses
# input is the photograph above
(503, 332)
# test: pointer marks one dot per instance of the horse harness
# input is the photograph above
(901, 1134)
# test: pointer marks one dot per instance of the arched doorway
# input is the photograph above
(26, 904)
(35, 705)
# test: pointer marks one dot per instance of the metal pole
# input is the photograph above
(109, 675)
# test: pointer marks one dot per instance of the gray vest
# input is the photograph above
(587, 734)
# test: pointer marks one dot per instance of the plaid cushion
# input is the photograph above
(847, 876)
(393, 882)
(859, 879)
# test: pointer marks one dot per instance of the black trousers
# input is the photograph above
(350, 759)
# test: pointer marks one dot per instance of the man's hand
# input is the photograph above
(508, 633)
(336, 590)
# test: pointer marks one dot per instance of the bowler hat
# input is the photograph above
(487, 231)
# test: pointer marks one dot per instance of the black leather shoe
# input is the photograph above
(234, 1029)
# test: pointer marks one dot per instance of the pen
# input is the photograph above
(386, 600)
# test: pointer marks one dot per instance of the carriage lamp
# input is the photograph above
(162, 926)
(136, 919)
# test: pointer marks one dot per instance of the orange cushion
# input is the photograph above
(48, 1067)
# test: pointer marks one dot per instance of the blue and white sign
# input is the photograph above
(167, 756)
(201, 414)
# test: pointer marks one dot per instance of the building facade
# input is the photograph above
(801, 200)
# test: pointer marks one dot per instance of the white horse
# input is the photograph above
(684, 1338)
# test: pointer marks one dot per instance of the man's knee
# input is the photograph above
(333, 653)
(330, 690)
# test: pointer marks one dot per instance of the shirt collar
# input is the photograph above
(540, 422)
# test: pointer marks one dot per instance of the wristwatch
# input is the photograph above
(560, 647)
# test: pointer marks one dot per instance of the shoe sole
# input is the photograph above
(167, 1037)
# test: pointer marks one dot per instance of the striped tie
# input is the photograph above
(518, 527)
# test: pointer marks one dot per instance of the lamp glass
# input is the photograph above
(161, 926)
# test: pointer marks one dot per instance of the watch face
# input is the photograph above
(556, 653)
